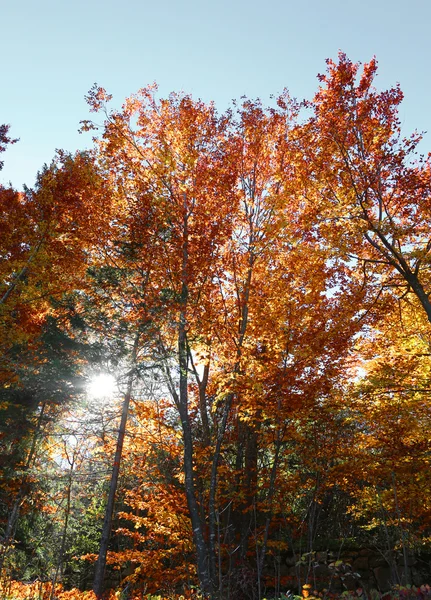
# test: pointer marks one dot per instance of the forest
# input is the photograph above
(254, 287)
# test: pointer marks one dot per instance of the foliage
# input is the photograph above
(258, 283)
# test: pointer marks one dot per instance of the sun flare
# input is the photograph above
(102, 385)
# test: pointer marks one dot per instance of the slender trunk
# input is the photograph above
(400, 264)
(202, 385)
(198, 534)
(213, 486)
(59, 568)
(220, 572)
(182, 404)
(107, 523)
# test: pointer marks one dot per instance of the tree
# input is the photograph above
(107, 523)
(218, 264)
(390, 405)
(165, 171)
(365, 182)
(46, 237)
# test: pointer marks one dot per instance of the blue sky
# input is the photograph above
(53, 51)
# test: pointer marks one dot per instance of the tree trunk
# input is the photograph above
(107, 523)
(198, 534)
(182, 404)
(59, 568)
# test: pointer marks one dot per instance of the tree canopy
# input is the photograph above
(257, 282)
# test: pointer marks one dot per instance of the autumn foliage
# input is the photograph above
(258, 283)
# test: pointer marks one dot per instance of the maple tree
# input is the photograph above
(46, 234)
(366, 182)
(204, 213)
(164, 171)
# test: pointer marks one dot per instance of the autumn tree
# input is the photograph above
(368, 192)
(368, 188)
(175, 160)
(47, 380)
(390, 407)
(251, 322)
(46, 236)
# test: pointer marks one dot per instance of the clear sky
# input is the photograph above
(52, 51)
